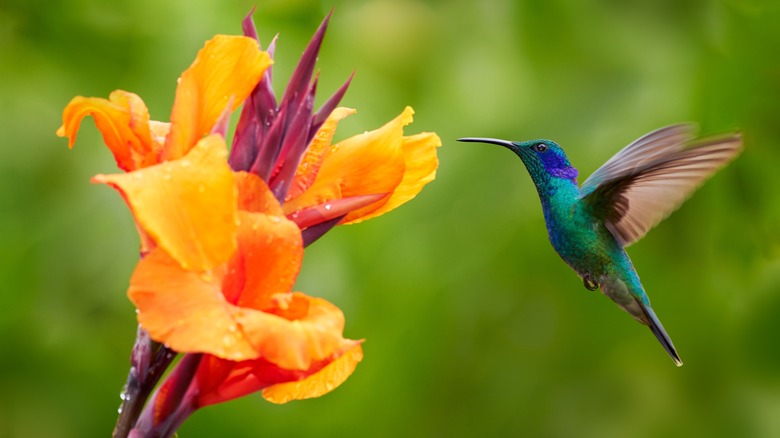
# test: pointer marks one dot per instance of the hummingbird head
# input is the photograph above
(544, 159)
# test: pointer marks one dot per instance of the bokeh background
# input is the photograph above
(473, 326)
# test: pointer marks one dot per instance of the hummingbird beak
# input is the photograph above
(504, 143)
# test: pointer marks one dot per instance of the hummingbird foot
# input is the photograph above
(589, 283)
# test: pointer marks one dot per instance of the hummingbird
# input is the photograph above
(590, 225)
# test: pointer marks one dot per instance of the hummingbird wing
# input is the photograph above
(649, 179)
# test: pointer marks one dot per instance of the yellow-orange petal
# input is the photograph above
(316, 152)
(369, 163)
(187, 206)
(320, 383)
(295, 344)
(421, 163)
(122, 119)
(226, 67)
(185, 309)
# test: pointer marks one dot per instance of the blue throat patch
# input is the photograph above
(557, 165)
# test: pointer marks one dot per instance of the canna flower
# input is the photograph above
(223, 233)
(220, 257)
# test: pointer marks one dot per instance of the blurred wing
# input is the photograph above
(643, 151)
(633, 194)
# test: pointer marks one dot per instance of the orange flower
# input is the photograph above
(220, 256)
(222, 235)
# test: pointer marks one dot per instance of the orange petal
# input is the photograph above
(226, 67)
(369, 163)
(123, 120)
(193, 312)
(197, 312)
(316, 152)
(269, 256)
(185, 309)
(255, 196)
(187, 206)
(421, 163)
(318, 384)
(295, 344)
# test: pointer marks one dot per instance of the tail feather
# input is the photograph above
(658, 330)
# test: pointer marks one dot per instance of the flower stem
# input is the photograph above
(148, 362)
(172, 402)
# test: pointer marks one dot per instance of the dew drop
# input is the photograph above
(328, 206)
(274, 219)
(186, 163)
(167, 177)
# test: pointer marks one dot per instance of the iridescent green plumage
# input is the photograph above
(589, 226)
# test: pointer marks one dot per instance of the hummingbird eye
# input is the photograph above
(539, 147)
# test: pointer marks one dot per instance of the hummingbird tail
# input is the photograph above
(658, 330)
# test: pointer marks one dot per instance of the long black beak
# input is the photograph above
(504, 143)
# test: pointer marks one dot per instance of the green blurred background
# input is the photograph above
(473, 326)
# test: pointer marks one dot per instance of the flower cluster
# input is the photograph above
(223, 233)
